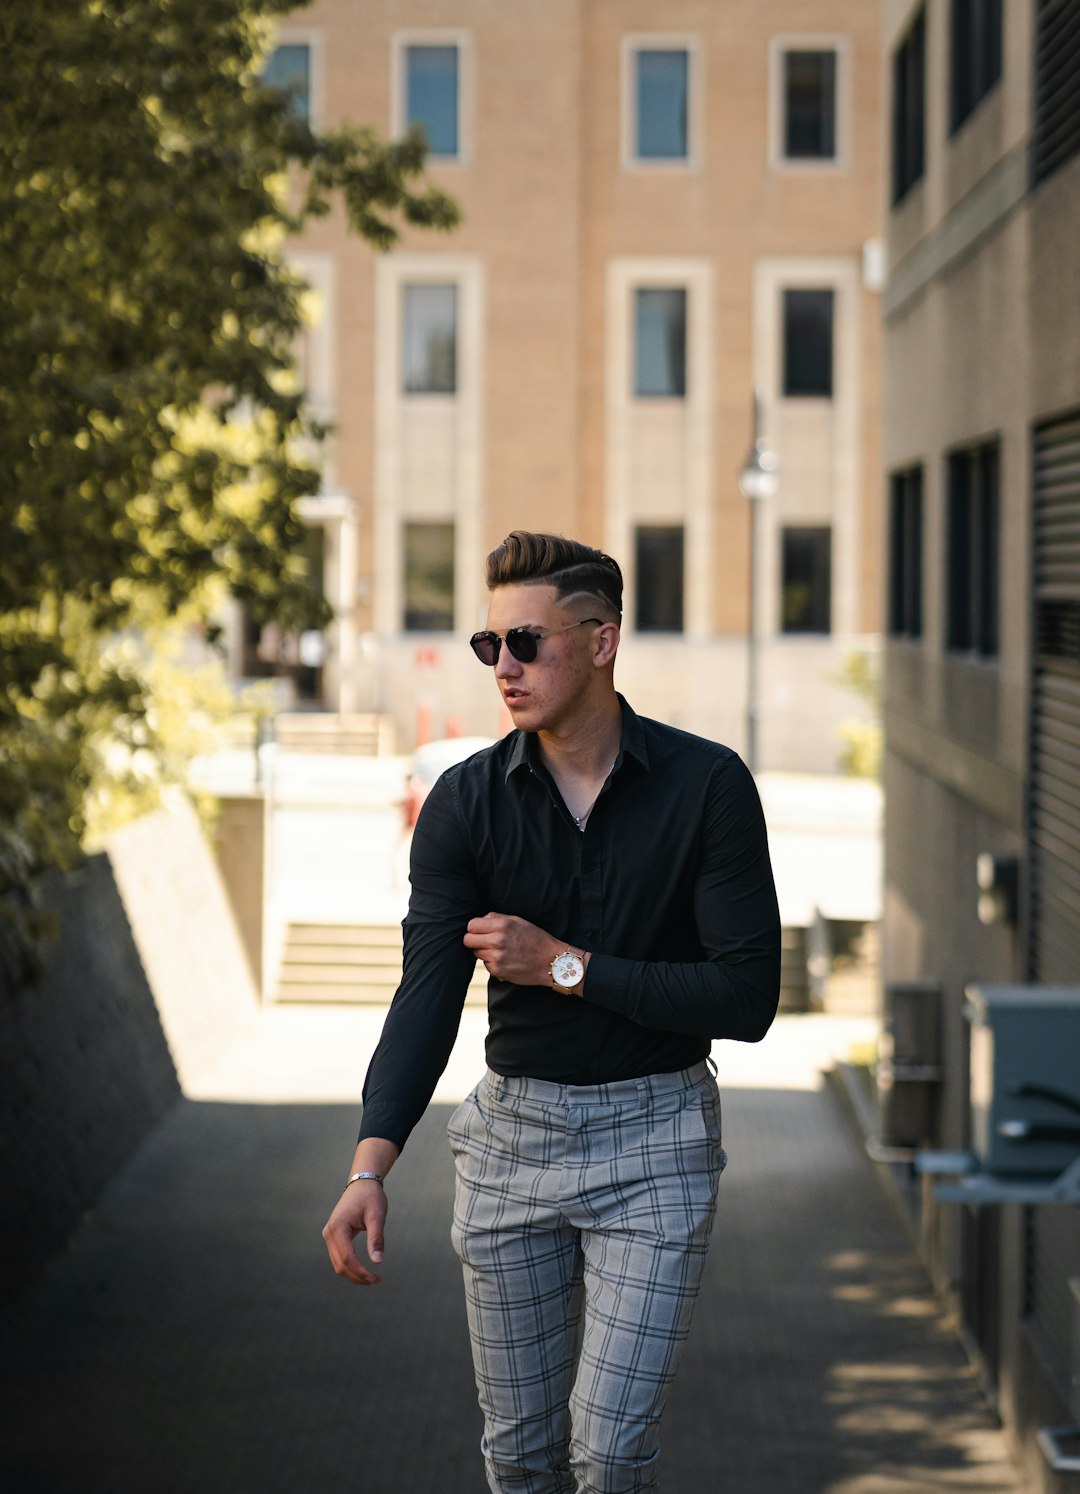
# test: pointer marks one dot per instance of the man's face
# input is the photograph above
(545, 693)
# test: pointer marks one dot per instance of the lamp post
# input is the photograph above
(757, 481)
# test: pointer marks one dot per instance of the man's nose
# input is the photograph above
(506, 666)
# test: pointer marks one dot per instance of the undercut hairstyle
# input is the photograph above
(573, 569)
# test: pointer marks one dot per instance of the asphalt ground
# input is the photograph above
(192, 1339)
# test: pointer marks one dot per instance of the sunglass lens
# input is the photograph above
(522, 644)
(486, 647)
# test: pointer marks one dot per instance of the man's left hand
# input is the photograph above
(513, 949)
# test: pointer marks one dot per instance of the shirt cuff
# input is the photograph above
(608, 981)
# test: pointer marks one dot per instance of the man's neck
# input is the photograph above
(587, 747)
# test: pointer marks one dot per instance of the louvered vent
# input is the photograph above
(1054, 828)
(1056, 137)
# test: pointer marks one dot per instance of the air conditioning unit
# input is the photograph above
(909, 1063)
(1025, 1078)
(1061, 1445)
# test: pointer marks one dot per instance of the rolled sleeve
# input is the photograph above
(422, 1023)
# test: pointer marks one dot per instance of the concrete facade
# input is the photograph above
(981, 344)
(563, 223)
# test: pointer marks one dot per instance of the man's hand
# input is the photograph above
(513, 949)
(361, 1209)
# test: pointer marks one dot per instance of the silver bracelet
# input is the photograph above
(373, 1177)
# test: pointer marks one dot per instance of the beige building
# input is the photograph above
(982, 698)
(664, 207)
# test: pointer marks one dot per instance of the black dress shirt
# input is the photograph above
(669, 886)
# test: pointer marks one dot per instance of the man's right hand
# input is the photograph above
(361, 1209)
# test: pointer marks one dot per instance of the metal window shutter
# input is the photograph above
(1054, 831)
(1056, 132)
(1054, 809)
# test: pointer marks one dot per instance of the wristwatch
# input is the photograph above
(567, 971)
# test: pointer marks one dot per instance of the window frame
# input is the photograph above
(779, 47)
(987, 28)
(649, 397)
(662, 41)
(907, 130)
(972, 600)
(787, 529)
(312, 38)
(654, 630)
(399, 92)
(801, 395)
(427, 283)
(408, 524)
(906, 578)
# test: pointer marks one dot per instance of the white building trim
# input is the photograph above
(834, 420)
(660, 41)
(625, 417)
(393, 410)
(805, 41)
(435, 37)
(312, 37)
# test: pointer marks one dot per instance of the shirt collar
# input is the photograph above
(525, 753)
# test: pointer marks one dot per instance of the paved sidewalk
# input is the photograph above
(193, 1340)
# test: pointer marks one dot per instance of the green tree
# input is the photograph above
(149, 419)
(862, 737)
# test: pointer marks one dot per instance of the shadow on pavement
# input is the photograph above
(193, 1336)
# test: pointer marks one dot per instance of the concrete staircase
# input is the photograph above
(341, 733)
(336, 962)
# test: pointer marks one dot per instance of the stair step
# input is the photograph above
(348, 962)
(370, 935)
(341, 975)
(338, 954)
(361, 992)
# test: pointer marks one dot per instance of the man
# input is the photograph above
(612, 874)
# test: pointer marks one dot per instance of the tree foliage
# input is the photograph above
(149, 421)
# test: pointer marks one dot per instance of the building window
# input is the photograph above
(905, 554)
(909, 109)
(429, 578)
(808, 344)
(660, 343)
(429, 339)
(267, 652)
(972, 569)
(974, 53)
(810, 106)
(1056, 126)
(658, 579)
(806, 580)
(432, 94)
(661, 84)
(289, 67)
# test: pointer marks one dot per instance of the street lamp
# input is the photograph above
(757, 481)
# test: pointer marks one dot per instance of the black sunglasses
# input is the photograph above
(521, 642)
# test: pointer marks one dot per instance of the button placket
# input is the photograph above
(592, 884)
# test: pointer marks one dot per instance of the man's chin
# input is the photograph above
(525, 714)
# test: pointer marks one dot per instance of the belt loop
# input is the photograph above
(711, 1061)
(643, 1093)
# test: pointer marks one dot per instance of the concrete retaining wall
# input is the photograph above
(144, 988)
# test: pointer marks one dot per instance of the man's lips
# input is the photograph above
(515, 697)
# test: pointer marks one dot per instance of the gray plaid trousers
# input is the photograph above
(582, 1219)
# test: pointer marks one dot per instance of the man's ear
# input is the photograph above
(607, 641)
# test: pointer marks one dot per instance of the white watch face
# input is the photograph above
(567, 969)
